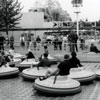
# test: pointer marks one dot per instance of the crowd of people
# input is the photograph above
(65, 42)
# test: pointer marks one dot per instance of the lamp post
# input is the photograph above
(77, 4)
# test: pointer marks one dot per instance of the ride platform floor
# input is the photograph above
(18, 89)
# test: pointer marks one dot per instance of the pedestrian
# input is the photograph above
(22, 40)
(38, 42)
(82, 41)
(60, 42)
(12, 42)
(2, 41)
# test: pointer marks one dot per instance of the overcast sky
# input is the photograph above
(90, 9)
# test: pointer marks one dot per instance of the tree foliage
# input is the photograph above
(10, 13)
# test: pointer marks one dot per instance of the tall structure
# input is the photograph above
(50, 8)
(77, 4)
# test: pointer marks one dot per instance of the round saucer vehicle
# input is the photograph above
(27, 63)
(52, 59)
(7, 72)
(97, 74)
(82, 75)
(62, 86)
(14, 62)
(34, 73)
(15, 55)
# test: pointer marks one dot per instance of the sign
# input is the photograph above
(77, 2)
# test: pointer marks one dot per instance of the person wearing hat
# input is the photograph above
(62, 69)
(74, 61)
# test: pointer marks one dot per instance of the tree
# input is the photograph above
(55, 15)
(10, 14)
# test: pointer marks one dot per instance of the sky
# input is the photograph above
(90, 9)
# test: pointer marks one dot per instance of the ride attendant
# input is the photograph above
(22, 41)
(7, 40)
(60, 42)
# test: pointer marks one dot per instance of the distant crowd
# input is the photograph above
(59, 42)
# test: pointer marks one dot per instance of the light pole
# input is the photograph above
(77, 4)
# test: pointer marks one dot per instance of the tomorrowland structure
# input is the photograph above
(52, 10)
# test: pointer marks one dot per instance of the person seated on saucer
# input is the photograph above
(62, 69)
(93, 48)
(30, 55)
(6, 56)
(44, 62)
(2, 59)
(74, 61)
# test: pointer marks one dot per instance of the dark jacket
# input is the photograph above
(64, 67)
(75, 62)
(30, 55)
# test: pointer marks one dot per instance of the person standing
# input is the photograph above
(75, 38)
(38, 41)
(29, 41)
(82, 42)
(12, 42)
(60, 42)
(33, 41)
(65, 40)
(7, 40)
(2, 41)
(22, 41)
(72, 38)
